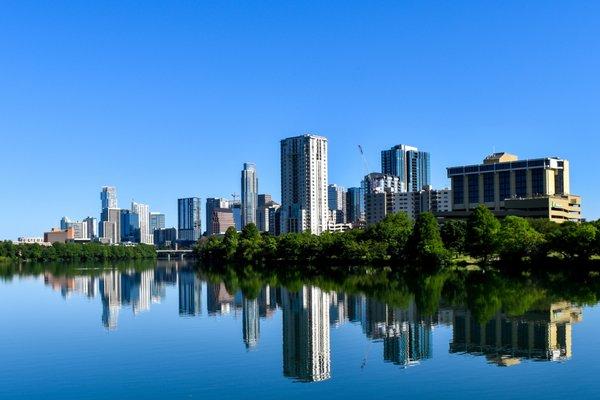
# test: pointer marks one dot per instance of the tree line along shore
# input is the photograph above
(425, 243)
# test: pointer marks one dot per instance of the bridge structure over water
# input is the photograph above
(169, 253)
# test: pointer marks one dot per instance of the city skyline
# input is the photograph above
(458, 80)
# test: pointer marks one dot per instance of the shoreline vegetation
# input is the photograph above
(425, 246)
(10, 252)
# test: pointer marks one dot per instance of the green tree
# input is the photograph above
(230, 242)
(482, 230)
(575, 240)
(250, 243)
(454, 233)
(392, 232)
(517, 239)
(425, 244)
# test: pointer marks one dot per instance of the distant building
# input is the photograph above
(130, 226)
(249, 186)
(380, 195)
(337, 203)
(190, 226)
(143, 212)
(165, 237)
(30, 240)
(537, 188)
(266, 207)
(110, 234)
(409, 164)
(304, 201)
(65, 223)
(236, 209)
(59, 235)
(92, 227)
(108, 197)
(425, 200)
(157, 221)
(355, 205)
(222, 219)
(275, 220)
(211, 205)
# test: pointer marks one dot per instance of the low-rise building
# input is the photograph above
(57, 235)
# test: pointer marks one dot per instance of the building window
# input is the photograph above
(537, 181)
(521, 183)
(488, 187)
(458, 189)
(504, 185)
(473, 182)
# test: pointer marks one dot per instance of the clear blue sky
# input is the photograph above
(168, 99)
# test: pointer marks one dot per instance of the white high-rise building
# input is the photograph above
(108, 196)
(304, 199)
(143, 212)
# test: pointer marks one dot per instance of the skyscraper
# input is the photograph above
(337, 203)
(92, 227)
(108, 196)
(143, 212)
(211, 205)
(304, 200)
(409, 164)
(189, 224)
(110, 225)
(157, 221)
(249, 194)
(355, 205)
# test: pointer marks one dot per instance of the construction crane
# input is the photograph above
(364, 160)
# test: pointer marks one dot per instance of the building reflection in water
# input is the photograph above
(309, 313)
(306, 341)
(542, 335)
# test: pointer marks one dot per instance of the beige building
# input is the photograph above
(59, 235)
(537, 188)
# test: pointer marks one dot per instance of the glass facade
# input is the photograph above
(488, 187)
(473, 183)
(411, 165)
(188, 216)
(504, 185)
(521, 183)
(458, 191)
(537, 181)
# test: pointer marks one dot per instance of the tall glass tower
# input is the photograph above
(409, 164)
(249, 194)
(188, 216)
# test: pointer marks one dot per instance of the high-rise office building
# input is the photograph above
(236, 209)
(143, 212)
(130, 226)
(189, 224)
(265, 207)
(337, 203)
(425, 200)
(409, 164)
(110, 225)
(92, 227)
(304, 200)
(165, 237)
(211, 205)
(249, 194)
(65, 223)
(222, 219)
(156, 221)
(536, 188)
(355, 205)
(108, 196)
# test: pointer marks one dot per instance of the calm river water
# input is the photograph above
(170, 332)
